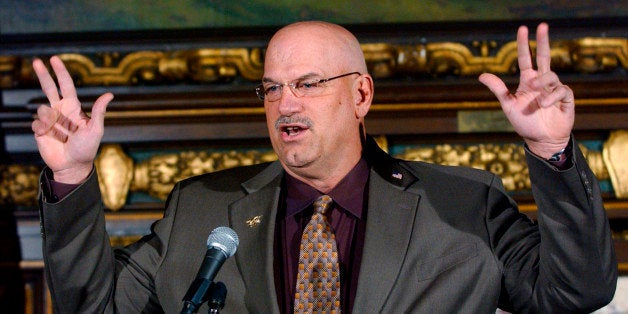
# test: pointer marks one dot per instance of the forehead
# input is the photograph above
(299, 51)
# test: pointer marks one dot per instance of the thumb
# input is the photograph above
(98, 110)
(497, 86)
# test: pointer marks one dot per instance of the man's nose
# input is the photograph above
(288, 103)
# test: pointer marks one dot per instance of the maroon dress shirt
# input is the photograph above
(348, 220)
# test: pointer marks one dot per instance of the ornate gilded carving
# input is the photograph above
(385, 60)
(136, 67)
(19, 184)
(596, 162)
(600, 54)
(115, 172)
(157, 175)
(583, 55)
(207, 65)
(506, 160)
(199, 65)
(615, 154)
(8, 71)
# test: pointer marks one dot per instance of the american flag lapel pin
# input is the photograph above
(397, 175)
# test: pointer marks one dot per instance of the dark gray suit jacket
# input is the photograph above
(438, 240)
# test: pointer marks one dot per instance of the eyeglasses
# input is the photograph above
(300, 88)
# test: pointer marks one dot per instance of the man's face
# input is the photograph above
(310, 134)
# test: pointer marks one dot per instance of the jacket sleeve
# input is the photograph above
(568, 265)
(84, 274)
(78, 259)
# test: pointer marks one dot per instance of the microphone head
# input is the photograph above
(224, 239)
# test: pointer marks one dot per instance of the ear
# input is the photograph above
(363, 95)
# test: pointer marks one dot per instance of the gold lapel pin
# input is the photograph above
(254, 221)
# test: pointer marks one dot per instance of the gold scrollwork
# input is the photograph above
(156, 176)
(615, 154)
(199, 65)
(583, 55)
(145, 67)
(205, 65)
(8, 71)
(133, 68)
(115, 172)
(19, 184)
(600, 54)
(208, 65)
(506, 160)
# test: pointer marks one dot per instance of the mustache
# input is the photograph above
(293, 119)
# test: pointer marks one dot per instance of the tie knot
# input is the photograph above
(322, 203)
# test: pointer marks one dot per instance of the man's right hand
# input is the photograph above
(66, 137)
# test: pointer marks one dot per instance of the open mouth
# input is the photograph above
(291, 127)
(292, 130)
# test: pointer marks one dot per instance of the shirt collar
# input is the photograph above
(348, 193)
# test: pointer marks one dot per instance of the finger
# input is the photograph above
(66, 124)
(46, 119)
(98, 110)
(523, 49)
(497, 86)
(41, 129)
(46, 124)
(561, 95)
(60, 136)
(547, 81)
(543, 51)
(66, 84)
(57, 134)
(45, 80)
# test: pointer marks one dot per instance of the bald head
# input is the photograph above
(318, 138)
(317, 42)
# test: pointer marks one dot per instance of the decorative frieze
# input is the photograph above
(120, 175)
(211, 65)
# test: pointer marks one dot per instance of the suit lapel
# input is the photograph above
(392, 207)
(253, 219)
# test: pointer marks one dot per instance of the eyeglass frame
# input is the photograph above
(261, 91)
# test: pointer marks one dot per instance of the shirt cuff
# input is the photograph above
(55, 191)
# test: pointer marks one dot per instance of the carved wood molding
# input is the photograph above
(119, 174)
(385, 60)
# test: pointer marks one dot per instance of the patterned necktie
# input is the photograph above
(318, 279)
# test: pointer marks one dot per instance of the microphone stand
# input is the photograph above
(216, 295)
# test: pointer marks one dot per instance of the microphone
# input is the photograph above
(222, 243)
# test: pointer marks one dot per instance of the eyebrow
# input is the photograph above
(300, 78)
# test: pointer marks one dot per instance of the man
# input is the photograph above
(411, 237)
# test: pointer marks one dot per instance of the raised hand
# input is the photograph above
(66, 137)
(542, 109)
